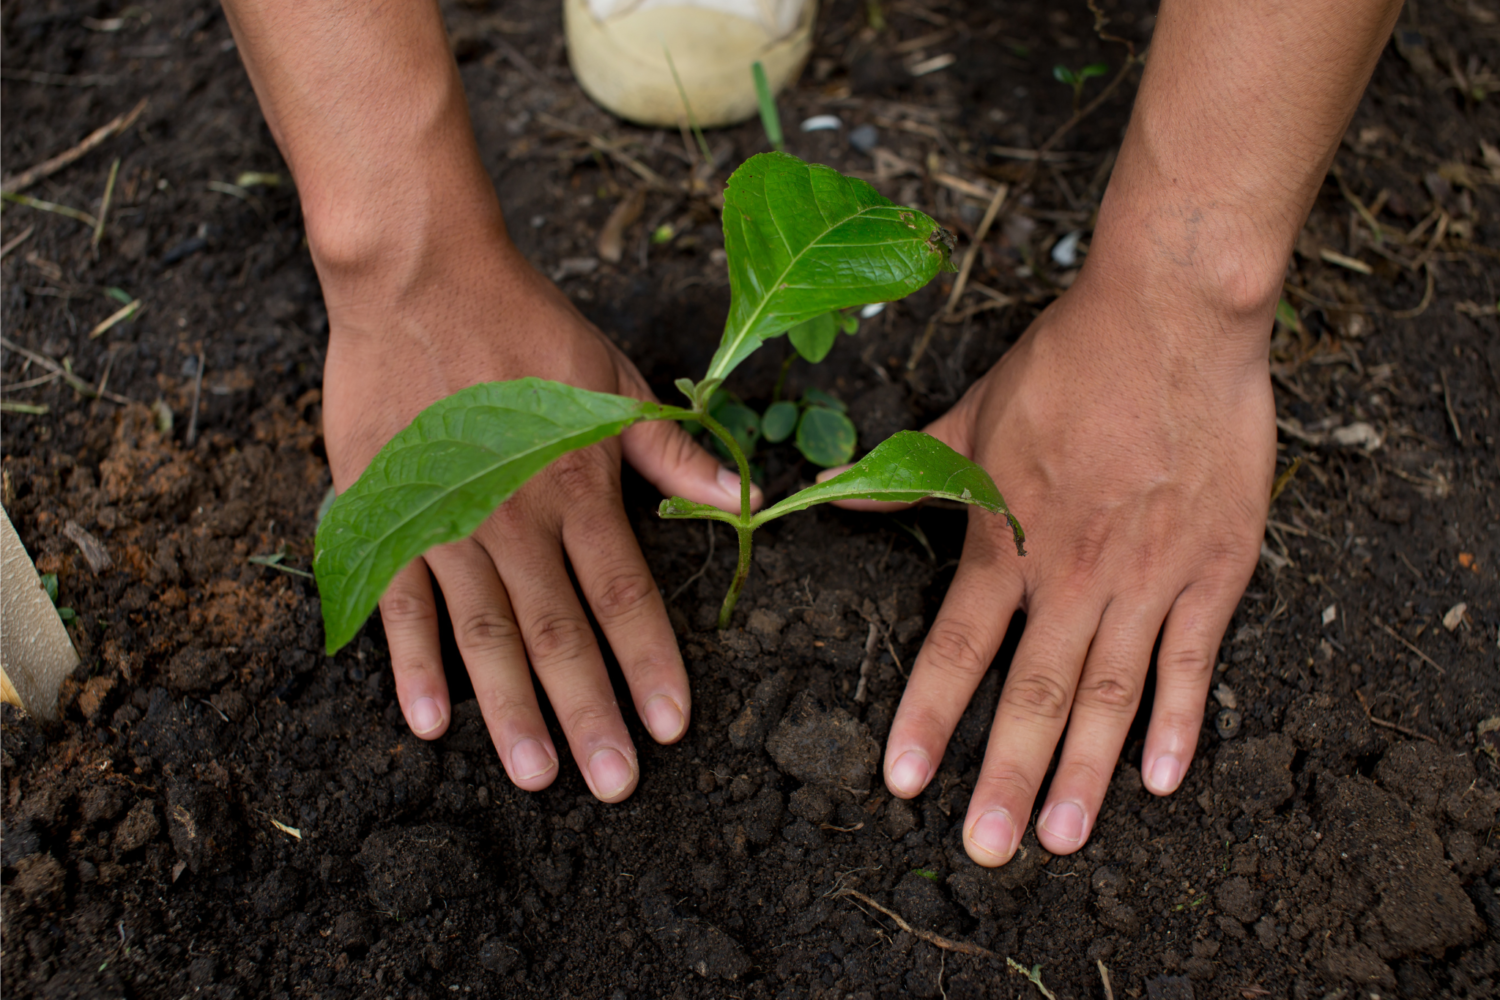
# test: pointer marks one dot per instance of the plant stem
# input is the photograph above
(786, 366)
(743, 526)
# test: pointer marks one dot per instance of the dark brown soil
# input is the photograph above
(1333, 838)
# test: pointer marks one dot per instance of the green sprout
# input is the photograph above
(803, 241)
(926, 873)
(770, 120)
(1077, 78)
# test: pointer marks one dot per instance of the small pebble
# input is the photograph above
(823, 123)
(1065, 252)
(864, 138)
(1227, 723)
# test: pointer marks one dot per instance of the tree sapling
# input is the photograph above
(804, 242)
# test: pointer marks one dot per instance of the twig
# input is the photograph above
(192, 431)
(516, 59)
(1109, 991)
(1458, 435)
(1034, 974)
(17, 241)
(127, 311)
(1399, 638)
(67, 376)
(1426, 299)
(936, 940)
(701, 570)
(872, 643)
(109, 192)
(991, 211)
(26, 178)
(1385, 724)
(49, 206)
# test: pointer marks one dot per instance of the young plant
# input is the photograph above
(1077, 78)
(803, 242)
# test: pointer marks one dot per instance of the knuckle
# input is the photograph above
(579, 474)
(622, 594)
(486, 630)
(949, 646)
(1005, 783)
(1039, 693)
(558, 636)
(588, 717)
(1193, 663)
(400, 609)
(1113, 689)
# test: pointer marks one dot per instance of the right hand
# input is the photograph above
(478, 312)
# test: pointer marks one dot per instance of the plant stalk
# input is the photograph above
(743, 526)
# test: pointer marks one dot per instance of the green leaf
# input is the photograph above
(66, 614)
(804, 240)
(849, 323)
(49, 584)
(741, 422)
(906, 467)
(814, 338)
(826, 437)
(1062, 74)
(1093, 69)
(817, 397)
(779, 421)
(769, 119)
(437, 480)
(926, 873)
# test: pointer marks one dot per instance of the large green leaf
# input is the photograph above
(438, 479)
(906, 467)
(804, 240)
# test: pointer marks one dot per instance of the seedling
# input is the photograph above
(803, 242)
(1077, 78)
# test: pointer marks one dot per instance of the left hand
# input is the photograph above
(1137, 450)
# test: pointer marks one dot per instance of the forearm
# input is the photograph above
(1240, 110)
(368, 109)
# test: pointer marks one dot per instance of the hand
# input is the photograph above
(477, 312)
(1137, 449)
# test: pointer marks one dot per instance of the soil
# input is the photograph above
(227, 812)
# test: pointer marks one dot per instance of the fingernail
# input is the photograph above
(529, 759)
(994, 834)
(664, 719)
(729, 482)
(610, 772)
(425, 716)
(1065, 822)
(909, 774)
(1166, 773)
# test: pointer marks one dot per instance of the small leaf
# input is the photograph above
(1287, 316)
(437, 480)
(826, 437)
(814, 338)
(817, 397)
(49, 584)
(926, 873)
(120, 295)
(66, 614)
(849, 323)
(804, 240)
(779, 421)
(1062, 74)
(1093, 69)
(741, 422)
(686, 387)
(906, 467)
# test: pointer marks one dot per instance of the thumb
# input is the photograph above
(677, 465)
(952, 428)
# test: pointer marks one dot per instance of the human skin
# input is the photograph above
(1131, 427)
(426, 295)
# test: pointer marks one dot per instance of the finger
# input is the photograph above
(561, 647)
(1104, 706)
(627, 605)
(409, 614)
(955, 655)
(1033, 710)
(489, 640)
(669, 458)
(1184, 668)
